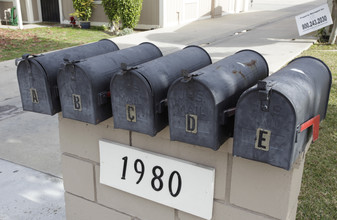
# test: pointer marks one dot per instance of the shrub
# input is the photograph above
(127, 11)
(83, 9)
(130, 12)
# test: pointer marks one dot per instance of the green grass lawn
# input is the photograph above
(318, 197)
(15, 43)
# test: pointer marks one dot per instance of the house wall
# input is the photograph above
(98, 14)
(35, 10)
(150, 12)
(67, 8)
(174, 12)
(24, 10)
(205, 7)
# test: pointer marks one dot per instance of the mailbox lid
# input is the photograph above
(162, 72)
(156, 75)
(100, 69)
(85, 84)
(52, 62)
(201, 104)
(193, 114)
(131, 101)
(320, 81)
(265, 136)
(75, 89)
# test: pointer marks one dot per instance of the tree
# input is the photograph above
(333, 35)
(125, 11)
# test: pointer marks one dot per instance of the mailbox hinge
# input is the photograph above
(72, 64)
(264, 94)
(125, 68)
(25, 57)
(188, 76)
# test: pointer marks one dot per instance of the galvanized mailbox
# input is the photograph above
(37, 75)
(275, 119)
(201, 104)
(85, 85)
(138, 94)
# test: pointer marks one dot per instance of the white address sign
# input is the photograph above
(176, 183)
(313, 20)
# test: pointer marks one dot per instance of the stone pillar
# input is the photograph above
(244, 189)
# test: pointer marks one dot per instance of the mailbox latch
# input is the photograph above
(264, 94)
(103, 97)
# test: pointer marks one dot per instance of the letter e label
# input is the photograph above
(262, 139)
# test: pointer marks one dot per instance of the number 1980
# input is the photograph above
(157, 183)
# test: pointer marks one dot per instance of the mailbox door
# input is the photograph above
(77, 86)
(132, 101)
(193, 114)
(36, 95)
(265, 136)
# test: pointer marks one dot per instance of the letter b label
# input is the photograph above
(77, 102)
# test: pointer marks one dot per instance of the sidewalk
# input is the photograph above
(29, 195)
(31, 139)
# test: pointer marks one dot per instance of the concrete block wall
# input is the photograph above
(244, 189)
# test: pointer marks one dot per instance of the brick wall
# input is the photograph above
(244, 189)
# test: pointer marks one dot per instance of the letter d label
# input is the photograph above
(192, 123)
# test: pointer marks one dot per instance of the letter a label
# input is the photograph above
(131, 113)
(33, 94)
(77, 102)
(192, 123)
(262, 139)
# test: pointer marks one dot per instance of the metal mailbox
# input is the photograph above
(273, 117)
(85, 84)
(201, 104)
(138, 94)
(37, 75)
